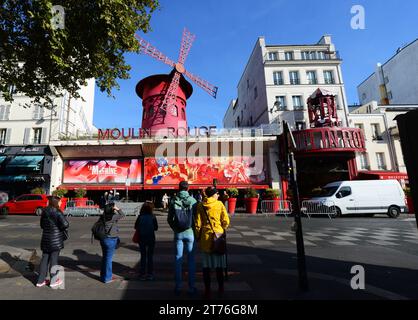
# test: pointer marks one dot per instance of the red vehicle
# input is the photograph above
(25, 204)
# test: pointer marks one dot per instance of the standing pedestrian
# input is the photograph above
(212, 217)
(165, 199)
(110, 218)
(146, 224)
(103, 200)
(180, 217)
(54, 226)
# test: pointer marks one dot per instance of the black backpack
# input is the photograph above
(98, 231)
(183, 218)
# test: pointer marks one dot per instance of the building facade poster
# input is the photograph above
(103, 171)
(202, 170)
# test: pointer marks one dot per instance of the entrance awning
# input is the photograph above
(13, 179)
(25, 162)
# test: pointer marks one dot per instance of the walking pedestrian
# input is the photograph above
(111, 216)
(180, 217)
(146, 224)
(54, 226)
(103, 200)
(211, 218)
(165, 200)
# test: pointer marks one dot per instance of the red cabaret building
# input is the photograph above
(130, 160)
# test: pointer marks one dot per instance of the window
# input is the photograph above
(38, 113)
(364, 161)
(37, 136)
(300, 125)
(377, 135)
(273, 56)
(329, 77)
(311, 75)
(297, 103)
(294, 77)
(364, 96)
(183, 114)
(309, 55)
(278, 78)
(238, 122)
(381, 163)
(281, 103)
(344, 192)
(3, 135)
(4, 112)
(255, 93)
(288, 55)
(386, 80)
(321, 55)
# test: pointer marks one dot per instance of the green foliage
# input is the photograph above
(38, 191)
(80, 193)
(272, 194)
(232, 192)
(251, 193)
(41, 61)
(60, 192)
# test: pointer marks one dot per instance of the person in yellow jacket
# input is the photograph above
(214, 210)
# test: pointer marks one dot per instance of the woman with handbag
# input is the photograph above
(211, 222)
(54, 233)
(145, 226)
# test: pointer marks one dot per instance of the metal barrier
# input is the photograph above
(312, 207)
(276, 207)
(129, 208)
(76, 209)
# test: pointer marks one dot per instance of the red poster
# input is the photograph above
(102, 171)
(227, 170)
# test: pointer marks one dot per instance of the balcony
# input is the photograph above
(334, 56)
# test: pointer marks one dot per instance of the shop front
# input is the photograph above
(146, 169)
(24, 168)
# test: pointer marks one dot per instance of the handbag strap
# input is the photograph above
(207, 216)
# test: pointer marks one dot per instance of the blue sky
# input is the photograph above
(226, 32)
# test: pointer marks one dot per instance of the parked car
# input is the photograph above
(364, 197)
(25, 204)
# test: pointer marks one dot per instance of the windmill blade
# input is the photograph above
(152, 51)
(169, 102)
(186, 44)
(209, 88)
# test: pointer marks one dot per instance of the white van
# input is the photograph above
(365, 197)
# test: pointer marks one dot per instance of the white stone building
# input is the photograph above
(396, 81)
(277, 82)
(26, 161)
(384, 152)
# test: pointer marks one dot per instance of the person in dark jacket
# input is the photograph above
(111, 216)
(146, 224)
(53, 224)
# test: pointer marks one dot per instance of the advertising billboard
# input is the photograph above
(202, 171)
(103, 171)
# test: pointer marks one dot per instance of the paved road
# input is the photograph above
(262, 260)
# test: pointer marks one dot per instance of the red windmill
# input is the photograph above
(164, 96)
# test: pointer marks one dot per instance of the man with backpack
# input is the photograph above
(181, 214)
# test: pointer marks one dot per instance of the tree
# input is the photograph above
(40, 60)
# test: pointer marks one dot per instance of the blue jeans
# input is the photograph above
(108, 248)
(147, 254)
(185, 239)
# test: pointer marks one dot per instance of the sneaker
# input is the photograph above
(150, 277)
(41, 284)
(56, 283)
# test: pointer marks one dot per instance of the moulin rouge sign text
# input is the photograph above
(169, 132)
